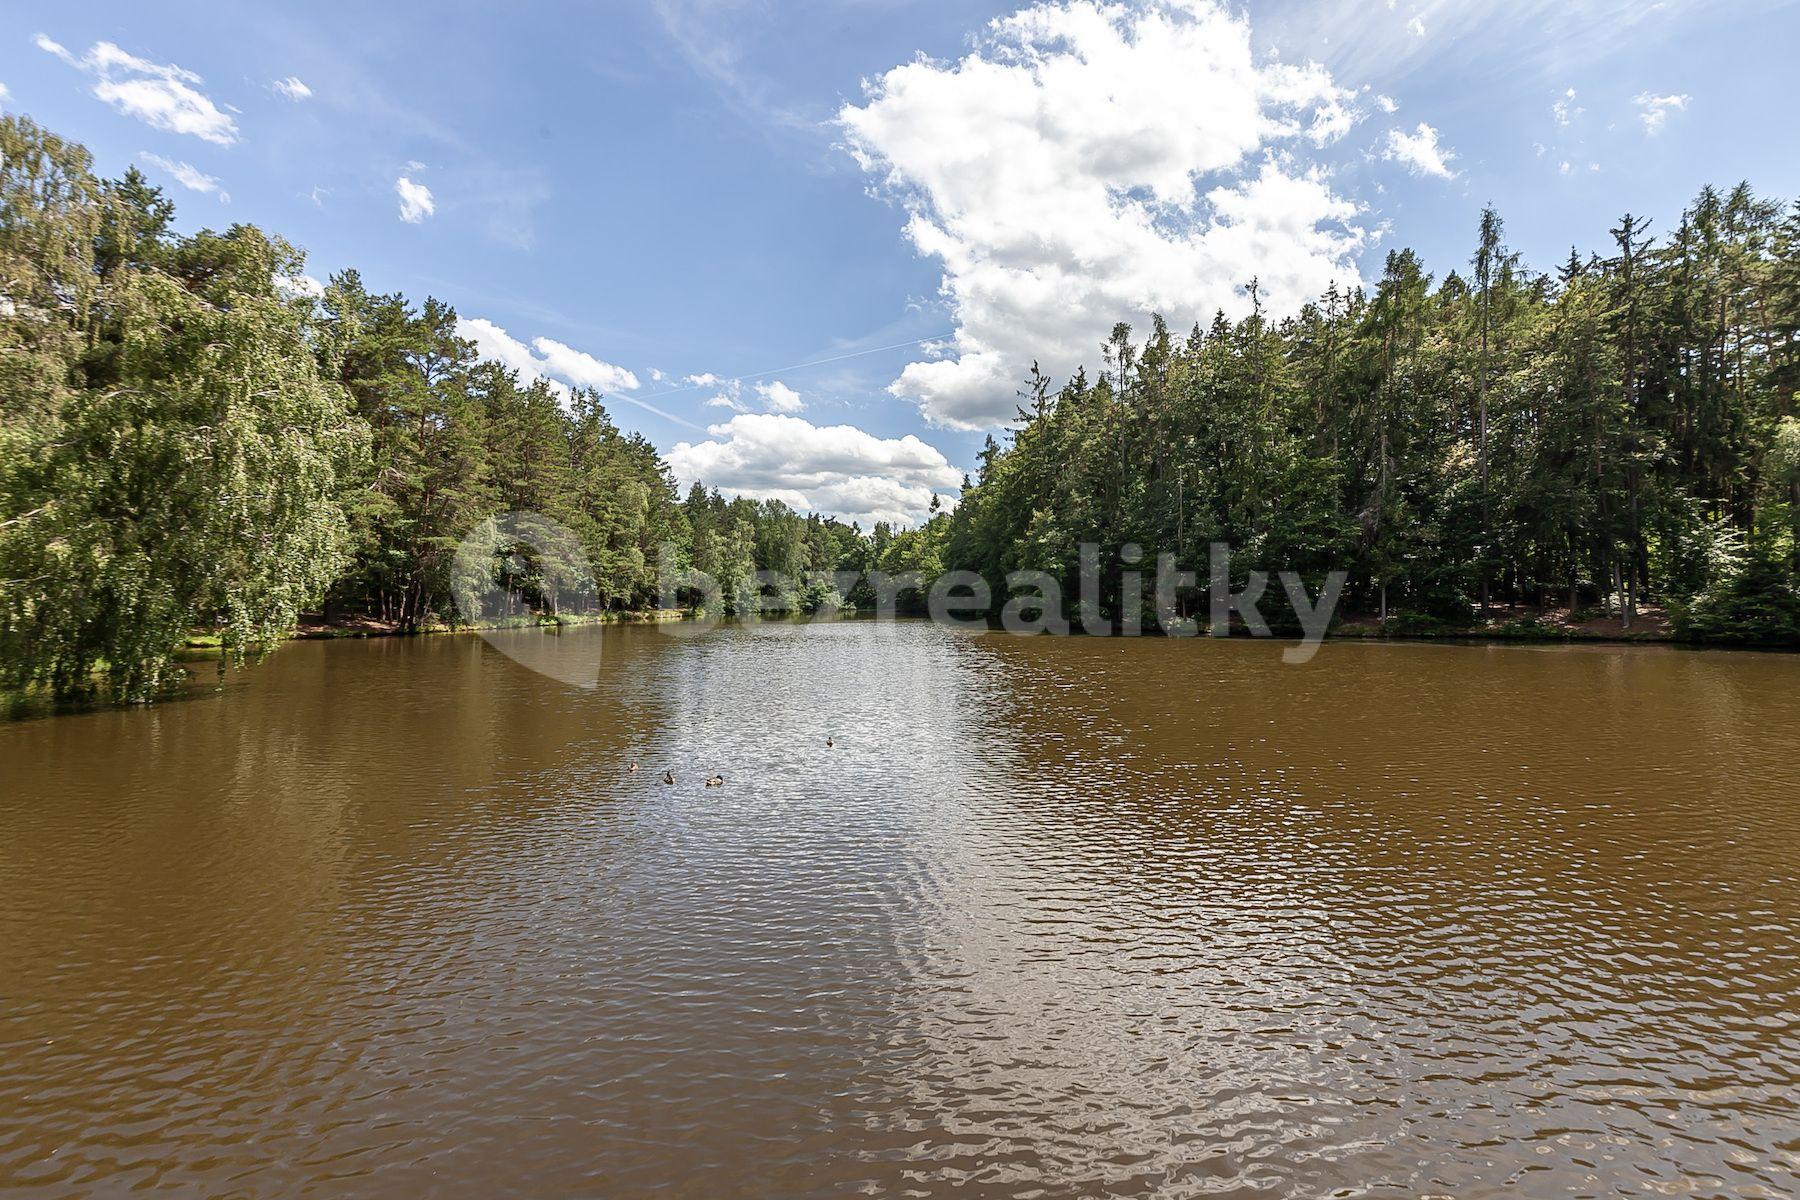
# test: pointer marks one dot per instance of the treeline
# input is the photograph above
(187, 442)
(1619, 432)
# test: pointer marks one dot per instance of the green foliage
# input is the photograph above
(184, 447)
(1407, 623)
(733, 540)
(1614, 434)
(171, 455)
(1758, 605)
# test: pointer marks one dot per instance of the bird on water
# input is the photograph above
(668, 777)
(716, 781)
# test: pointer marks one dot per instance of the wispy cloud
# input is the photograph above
(502, 198)
(292, 88)
(161, 95)
(1358, 39)
(188, 176)
(1565, 110)
(1654, 111)
(700, 31)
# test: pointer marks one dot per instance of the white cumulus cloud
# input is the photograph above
(558, 365)
(416, 202)
(161, 95)
(1089, 163)
(1421, 152)
(836, 470)
(1654, 111)
(778, 397)
(581, 370)
(493, 342)
(187, 175)
(292, 88)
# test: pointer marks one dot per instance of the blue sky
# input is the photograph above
(688, 199)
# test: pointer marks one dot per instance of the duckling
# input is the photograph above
(829, 743)
(716, 781)
(668, 777)
(631, 769)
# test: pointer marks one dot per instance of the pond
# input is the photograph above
(1046, 917)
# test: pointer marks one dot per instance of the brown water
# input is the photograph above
(1054, 918)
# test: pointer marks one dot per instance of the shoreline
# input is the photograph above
(1653, 626)
(1518, 630)
(1522, 624)
(368, 627)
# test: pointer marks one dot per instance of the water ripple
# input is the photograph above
(1052, 918)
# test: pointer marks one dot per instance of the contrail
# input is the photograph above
(819, 362)
(648, 407)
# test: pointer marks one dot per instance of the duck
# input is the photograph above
(716, 781)
(631, 768)
(668, 777)
(829, 743)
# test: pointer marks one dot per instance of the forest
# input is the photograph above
(1621, 432)
(189, 442)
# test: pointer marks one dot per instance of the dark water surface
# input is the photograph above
(1054, 918)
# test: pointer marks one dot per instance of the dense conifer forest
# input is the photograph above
(1616, 433)
(188, 441)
